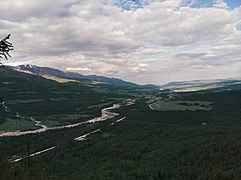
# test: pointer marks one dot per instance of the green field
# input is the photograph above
(181, 105)
(17, 124)
(64, 119)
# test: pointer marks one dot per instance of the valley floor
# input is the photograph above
(160, 136)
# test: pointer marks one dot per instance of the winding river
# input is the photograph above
(105, 114)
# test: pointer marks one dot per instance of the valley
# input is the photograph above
(105, 114)
(120, 90)
(81, 130)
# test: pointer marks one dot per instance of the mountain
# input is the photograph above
(51, 73)
(61, 76)
(200, 85)
(114, 81)
(9, 76)
(150, 86)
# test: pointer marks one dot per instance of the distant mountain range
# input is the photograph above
(203, 85)
(44, 74)
(61, 76)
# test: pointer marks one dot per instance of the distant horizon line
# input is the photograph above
(174, 81)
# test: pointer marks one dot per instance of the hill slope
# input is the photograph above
(199, 85)
(9, 76)
(52, 73)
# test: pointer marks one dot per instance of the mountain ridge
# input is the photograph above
(200, 85)
(43, 71)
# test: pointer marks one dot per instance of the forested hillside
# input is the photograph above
(146, 144)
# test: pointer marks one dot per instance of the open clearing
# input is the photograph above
(17, 124)
(181, 105)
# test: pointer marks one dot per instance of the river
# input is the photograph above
(105, 114)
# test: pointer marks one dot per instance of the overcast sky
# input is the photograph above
(146, 41)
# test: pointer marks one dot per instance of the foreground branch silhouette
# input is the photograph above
(5, 47)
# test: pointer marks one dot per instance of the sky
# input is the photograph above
(143, 41)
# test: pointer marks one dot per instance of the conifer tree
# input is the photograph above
(5, 47)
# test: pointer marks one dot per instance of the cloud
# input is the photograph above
(220, 4)
(157, 40)
(78, 69)
(140, 67)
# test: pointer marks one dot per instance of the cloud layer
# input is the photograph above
(153, 41)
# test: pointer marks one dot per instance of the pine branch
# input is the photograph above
(5, 47)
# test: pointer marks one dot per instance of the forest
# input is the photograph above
(147, 144)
